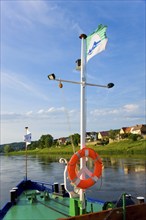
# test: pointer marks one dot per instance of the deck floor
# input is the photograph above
(52, 209)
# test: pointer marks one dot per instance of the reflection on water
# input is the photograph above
(128, 165)
(119, 175)
(47, 159)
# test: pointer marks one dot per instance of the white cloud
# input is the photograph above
(56, 110)
(103, 112)
(130, 107)
(41, 111)
(42, 121)
(128, 111)
(59, 123)
(10, 116)
(29, 113)
(52, 109)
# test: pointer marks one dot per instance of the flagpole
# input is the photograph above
(94, 44)
(83, 114)
(26, 155)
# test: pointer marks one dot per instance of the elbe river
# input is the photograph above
(119, 175)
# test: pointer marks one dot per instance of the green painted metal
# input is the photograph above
(33, 204)
(108, 205)
(124, 205)
(74, 208)
(82, 210)
(91, 207)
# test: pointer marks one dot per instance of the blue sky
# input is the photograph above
(42, 37)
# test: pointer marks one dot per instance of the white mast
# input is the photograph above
(83, 85)
(26, 155)
(27, 139)
(83, 112)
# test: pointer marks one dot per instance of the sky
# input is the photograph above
(42, 37)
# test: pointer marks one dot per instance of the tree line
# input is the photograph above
(45, 141)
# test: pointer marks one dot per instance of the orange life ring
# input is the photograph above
(74, 175)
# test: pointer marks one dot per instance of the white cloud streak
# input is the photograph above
(15, 82)
(59, 121)
(128, 108)
(46, 13)
(42, 113)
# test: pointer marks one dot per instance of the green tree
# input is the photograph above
(7, 149)
(113, 134)
(42, 141)
(48, 141)
(45, 141)
(34, 145)
(75, 138)
(134, 137)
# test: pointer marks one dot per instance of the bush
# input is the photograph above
(104, 142)
(134, 137)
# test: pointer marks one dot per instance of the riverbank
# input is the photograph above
(124, 147)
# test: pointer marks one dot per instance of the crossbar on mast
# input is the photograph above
(109, 85)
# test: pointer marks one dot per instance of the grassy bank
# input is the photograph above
(124, 147)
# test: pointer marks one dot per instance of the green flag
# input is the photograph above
(96, 42)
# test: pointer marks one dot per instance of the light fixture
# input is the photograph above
(110, 85)
(51, 76)
(78, 64)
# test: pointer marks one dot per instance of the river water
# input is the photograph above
(119, 175)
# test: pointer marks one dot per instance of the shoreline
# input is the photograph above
(125, 147)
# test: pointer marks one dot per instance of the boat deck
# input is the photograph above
(34, 204)
(33, 200)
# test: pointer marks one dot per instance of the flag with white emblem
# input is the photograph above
(27, 138)
(96, 42)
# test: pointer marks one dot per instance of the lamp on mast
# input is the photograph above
(53, 77)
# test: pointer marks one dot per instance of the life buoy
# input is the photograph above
(74, 176)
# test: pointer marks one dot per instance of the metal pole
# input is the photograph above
(68, 81)
(91, 84)
(26, 155)
(83, 82)
(83, 114)
(124, 205)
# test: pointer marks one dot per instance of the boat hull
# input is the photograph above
(133, 212)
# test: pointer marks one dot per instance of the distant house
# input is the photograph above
(103, 135)
(63, 140)
(125, 130)
(91, 136)
(139, 129)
